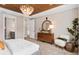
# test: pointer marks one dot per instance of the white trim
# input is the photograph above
(56, 10)
(7, 11)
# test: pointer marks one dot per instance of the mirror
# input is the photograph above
(45, 26)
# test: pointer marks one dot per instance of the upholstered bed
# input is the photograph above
(20, 47)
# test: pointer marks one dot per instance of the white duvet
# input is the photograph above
(5, 51)
(21, 47)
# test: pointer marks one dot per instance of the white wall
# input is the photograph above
(78, 18)
(32, 28)
(10, 25)
(78, 11)
(1, 27)
(61, 20)
(19, 28)
(19, 25)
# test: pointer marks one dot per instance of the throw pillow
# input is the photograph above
(2, 45)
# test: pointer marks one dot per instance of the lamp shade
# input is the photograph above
(51, 27)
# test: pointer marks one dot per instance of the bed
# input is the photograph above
(21, 47)
(5, 51)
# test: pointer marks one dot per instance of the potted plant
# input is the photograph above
(74, 31)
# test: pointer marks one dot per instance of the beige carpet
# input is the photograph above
(48, 49)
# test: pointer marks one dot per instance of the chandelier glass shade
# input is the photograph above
(26, 9)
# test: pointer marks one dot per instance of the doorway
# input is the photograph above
(29, 28)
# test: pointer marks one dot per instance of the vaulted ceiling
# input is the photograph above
(37, 7)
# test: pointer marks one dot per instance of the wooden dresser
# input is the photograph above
(46, 37)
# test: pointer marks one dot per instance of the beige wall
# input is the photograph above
(62, 20)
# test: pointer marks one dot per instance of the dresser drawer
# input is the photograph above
(47, 37)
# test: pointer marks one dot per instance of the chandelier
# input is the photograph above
(26, 9)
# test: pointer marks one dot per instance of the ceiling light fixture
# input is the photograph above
(50, 4)
(26, 9)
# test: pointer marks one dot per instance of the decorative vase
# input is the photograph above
(70, 46)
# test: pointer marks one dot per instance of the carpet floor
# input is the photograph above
(50, 49)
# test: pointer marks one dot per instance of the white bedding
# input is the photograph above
(5, 51)
(21, 47)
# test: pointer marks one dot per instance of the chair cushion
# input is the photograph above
(66, 37)
(62, 39)
(60, 43)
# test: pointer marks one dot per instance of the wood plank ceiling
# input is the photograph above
(37, 7)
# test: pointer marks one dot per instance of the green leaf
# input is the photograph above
(70, 31)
